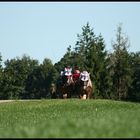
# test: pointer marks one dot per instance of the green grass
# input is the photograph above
(71, 118)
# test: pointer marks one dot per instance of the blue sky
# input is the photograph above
(45, 29)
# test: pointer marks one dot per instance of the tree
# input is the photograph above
(66, 60)
(39, 81)
(15, 74)
(90, 54)
(97, 66)
(121, 74)
(134, 90)
(1, 76)
(82, 47)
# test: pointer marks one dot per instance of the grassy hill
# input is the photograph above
(71, 118)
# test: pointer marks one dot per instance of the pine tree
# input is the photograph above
(90, 54)
(82, 46)
(134, 91)
(96, 64)
(121, 75)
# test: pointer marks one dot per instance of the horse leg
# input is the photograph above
(65, 96)
(83, 95)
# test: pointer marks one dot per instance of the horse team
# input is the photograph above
(76, 85)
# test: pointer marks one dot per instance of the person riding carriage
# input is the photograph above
(76, 74)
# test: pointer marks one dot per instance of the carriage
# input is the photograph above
(70, 85)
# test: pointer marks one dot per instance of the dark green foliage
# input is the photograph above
(83, 45)
(134, 91)
(39, 81)
(121, 71)
(14, 76)
(114, 75)
(96, 64)
(89, 54)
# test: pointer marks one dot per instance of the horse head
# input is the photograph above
(84, 79)
(85, 85)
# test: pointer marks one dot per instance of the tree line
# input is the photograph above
(115, 75)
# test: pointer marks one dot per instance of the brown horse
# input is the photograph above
(65, 87)
(85, 87)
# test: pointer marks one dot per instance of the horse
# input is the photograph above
(65, 86)
(85, 87)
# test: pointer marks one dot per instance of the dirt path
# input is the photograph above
(3, 101)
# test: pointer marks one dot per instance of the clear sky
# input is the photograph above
(45, 29)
